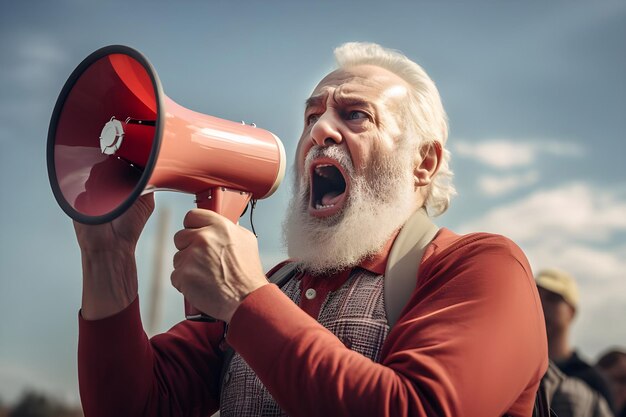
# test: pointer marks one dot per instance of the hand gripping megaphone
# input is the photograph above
(114, 135)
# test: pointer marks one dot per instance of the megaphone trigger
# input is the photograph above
(225, 201)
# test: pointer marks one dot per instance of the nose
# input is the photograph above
(325, 131)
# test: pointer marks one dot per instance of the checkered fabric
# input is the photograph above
(355, 313)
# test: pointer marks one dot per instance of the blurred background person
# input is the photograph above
(559, 298)
(612, 364)
(571, 397)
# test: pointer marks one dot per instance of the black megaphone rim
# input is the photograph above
(156, 144)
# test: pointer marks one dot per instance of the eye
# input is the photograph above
(356, 115)
(312, 118)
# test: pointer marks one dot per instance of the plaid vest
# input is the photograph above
(355, 313)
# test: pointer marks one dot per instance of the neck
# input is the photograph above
(559, 347)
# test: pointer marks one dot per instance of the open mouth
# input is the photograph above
(328, 187)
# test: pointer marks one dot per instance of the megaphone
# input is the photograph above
(114, 135)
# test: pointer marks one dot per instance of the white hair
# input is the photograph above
(425, 119)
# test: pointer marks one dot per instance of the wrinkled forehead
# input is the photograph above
(365, 79)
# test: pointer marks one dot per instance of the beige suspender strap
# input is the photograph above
(404, 260)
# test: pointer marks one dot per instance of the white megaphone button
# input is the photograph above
(111, 136)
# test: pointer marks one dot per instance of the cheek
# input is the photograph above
(368, 154)
(562, 314)
(360, 154)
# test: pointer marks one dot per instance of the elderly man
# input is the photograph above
(470, 340)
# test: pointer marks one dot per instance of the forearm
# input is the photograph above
(109, 283)
(115, 365)
(122, 373)
(293, 354)
(435, 364)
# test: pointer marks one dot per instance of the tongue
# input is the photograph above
(331, 198)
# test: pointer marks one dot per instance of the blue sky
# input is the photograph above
(535, 93)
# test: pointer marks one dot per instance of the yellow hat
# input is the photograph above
(559, 282)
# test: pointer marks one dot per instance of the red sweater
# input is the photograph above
(470, 342)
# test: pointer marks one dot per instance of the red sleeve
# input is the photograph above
(472, 343)
(122, 373)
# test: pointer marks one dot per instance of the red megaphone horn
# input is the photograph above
(114, 135)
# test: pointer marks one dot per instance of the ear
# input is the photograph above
(427, 163)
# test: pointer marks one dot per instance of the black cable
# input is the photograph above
(252, 206)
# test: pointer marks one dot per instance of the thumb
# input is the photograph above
(197, 218)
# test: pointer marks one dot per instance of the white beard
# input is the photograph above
(372, 212)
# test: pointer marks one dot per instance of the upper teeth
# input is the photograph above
(318, 170)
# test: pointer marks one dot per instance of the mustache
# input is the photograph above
(338, 153)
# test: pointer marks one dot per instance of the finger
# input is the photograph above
(146, 203)
(247, 232)
(197, 218)
(147, 199)
(183, 238)
(175, 279)
(178, 259)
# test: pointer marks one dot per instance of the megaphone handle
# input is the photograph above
(230, 204)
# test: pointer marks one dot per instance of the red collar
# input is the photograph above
(377, 263)
(323, 285)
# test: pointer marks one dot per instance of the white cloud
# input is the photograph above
(557, 148)
(593, 265)
(37, 58)
(599, 273)
(579, 228)
(41, 48)
(498, 185)
(574, 211)
(506, 154)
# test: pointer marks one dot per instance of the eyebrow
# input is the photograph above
(346, 100)
(356, 101)
(314, 101)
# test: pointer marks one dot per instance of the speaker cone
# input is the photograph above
(104, 135)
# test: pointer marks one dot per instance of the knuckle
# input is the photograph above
(175, 281)
(177, 260)
(178, 239)
(247, 233)
(204, 238)
(189, 218)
